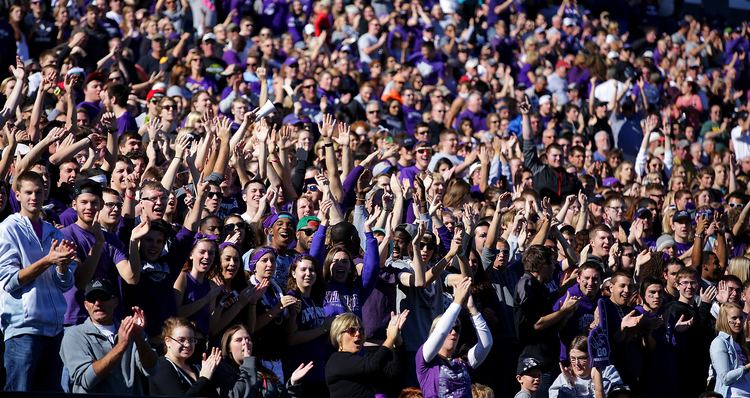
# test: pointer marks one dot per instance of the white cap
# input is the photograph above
(209, 36)
(544, 99)
(309, 29)
(648, 54)
(568, 22)
(472, 63)
(610, 39)
(612, 55)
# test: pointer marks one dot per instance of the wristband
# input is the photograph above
(328, 145)
(130, 197)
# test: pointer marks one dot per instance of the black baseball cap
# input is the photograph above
(101, 286)
(682, 216)
(527, 364)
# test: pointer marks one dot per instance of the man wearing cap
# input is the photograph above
(306, 227)
(557, 82)
(279, 230)
(36, 267)
(152, 105)
(102, 254)
(101, 356)
(151, 61)
(682, 225)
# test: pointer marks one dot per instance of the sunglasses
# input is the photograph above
(307, 231)
(424, 151)
(353, 330)
(311, 188)
(112, 205)
(735, 205)
(233, 226)
(211, 195)
(168, 107)
(99, 297)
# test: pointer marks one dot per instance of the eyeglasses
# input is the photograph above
(311, 188)
(213, 195)
(307, 231)
(424, 151)
(112, 205)
(168, 107)
(371, 112)
(579, 359)
(425, 245)
(309, 86)
(233, 226)
(184, 340)
(155, 199)
(353, 330)
(735, 205)
(688, 283)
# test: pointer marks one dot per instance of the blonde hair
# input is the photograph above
(739, 267)
(339, 326)
(481, 391)
(722, 325)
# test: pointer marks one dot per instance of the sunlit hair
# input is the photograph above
(739, 267)
(172, 323)
(722, 325)
(340, 324)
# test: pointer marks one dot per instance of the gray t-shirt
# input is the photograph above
(424, 305)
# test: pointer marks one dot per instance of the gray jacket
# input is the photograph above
(84, 344)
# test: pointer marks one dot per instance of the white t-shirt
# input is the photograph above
(741, 142)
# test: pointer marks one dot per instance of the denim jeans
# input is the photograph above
(33, 363)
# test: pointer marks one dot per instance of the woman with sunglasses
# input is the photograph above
(439, 372)
(580, 380)
(175, 375)
(730, 353)
(349, 372)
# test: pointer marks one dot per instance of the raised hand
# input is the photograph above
(61, 252)
(570, 304)
(373, 218)
(18, 71)
(326, 128)
(300, 372)
(682, 325)
(140, 230)
(708, 294)
(258, 291)
(139, 319)
(461, 291)
(344, 135)
(630, 320)
(456, 243)
(210, 363)
(524, 106)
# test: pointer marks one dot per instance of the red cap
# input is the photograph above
(153, 93)
(464, 79)
(562, 64)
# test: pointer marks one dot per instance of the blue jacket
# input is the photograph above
(38, 307)
(725, 360)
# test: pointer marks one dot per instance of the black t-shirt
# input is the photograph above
(533, 301)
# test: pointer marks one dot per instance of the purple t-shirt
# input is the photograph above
(112, 253)
(126, 122)
(443, 378)
(681, 248)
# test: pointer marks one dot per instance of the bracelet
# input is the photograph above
(177, 157)
(328, 145)
(130, 197)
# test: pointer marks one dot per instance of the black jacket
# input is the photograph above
(554, 183)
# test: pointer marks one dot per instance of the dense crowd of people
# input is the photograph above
(311, 198)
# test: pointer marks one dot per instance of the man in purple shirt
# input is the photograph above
(92, 95)
(473, 112)
(115, 100)
(102, 253)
